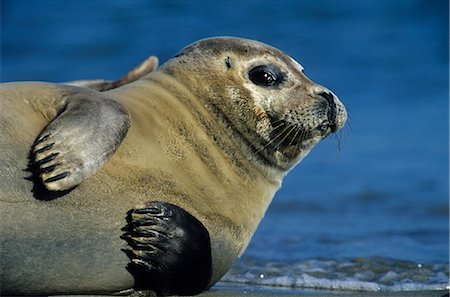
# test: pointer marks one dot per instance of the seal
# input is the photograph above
(158, 182)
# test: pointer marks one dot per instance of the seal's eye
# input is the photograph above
(266, 76)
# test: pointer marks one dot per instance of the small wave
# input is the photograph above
(361, 274)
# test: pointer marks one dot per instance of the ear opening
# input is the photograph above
(228, 62)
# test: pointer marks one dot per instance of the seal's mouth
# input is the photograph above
(327, 128)
(285, 135)
(290, 139)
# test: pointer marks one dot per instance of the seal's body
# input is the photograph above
(158, 184)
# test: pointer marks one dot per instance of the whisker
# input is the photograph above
(341, 138)
(303, 135)
(283, 123)
(338, 142)
(277, 121)
(297, 131)
(286, 136)
(273, 139)
(293, 139)
(280, 134)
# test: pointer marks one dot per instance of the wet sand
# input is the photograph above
(279, 293)
(255, 292)
(269, 293)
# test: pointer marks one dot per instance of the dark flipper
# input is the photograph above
(169, 250)
(81, 138)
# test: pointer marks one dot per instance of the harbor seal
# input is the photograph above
(158, 184)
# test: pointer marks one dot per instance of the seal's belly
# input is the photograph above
(47, 249)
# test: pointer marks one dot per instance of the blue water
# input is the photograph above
(365, 210)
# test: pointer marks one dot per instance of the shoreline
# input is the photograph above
(279, 292)
(265, 292)
(257, 292)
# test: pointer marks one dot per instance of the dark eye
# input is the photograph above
(266, 76)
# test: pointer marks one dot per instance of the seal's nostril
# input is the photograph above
(329, 97)
(331, 106)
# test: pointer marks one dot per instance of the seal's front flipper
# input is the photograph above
(84, 134)
(169, 250)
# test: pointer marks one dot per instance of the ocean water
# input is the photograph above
(366, 210)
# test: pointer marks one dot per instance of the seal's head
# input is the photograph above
(261, 95)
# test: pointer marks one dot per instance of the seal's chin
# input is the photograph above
(289, 143)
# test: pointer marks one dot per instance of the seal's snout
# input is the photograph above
(332, 110)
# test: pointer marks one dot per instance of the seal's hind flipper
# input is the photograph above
(81, 138)
(149, 65)
(169, 250)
